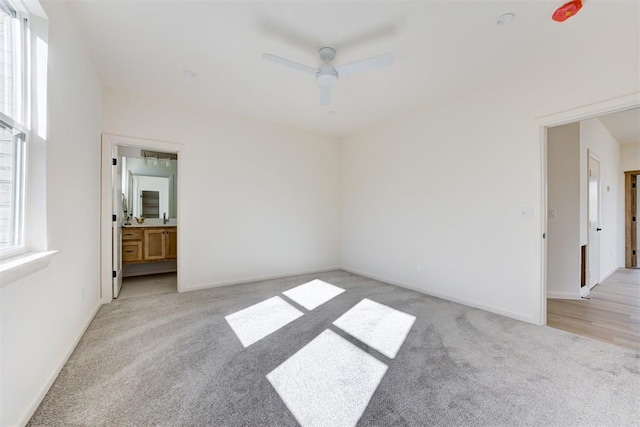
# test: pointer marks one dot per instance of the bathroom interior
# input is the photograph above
(150, 229)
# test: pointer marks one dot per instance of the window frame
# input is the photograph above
(19, 127)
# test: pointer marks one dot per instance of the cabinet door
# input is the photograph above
(172, 243)
(132, 251)
(154, 244)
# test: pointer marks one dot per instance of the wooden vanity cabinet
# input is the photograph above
(149, 244)
(131, 245)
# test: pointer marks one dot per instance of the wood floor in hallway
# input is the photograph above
(612, 314)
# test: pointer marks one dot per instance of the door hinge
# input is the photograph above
(633, 219)
(634, 251)
(114, 274)
(114, 218)
(114, 162)
(544, 235)
(633, 185)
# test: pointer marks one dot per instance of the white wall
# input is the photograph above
(43, 314)
(432, 199)
(563, 197)
(595, 137)
(258, 199)
(629, 157)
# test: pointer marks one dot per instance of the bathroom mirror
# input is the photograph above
(149, 187)
(150, 196)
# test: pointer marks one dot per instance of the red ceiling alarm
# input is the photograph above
(567, 10)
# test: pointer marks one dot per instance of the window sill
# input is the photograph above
(15, 268)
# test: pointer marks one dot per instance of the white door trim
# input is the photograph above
(106, 208)
(614, 105)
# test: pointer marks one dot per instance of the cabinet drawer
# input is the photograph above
(131, 234)
(131, 251)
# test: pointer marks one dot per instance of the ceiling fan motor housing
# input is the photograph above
(327, 76)
(327, 53)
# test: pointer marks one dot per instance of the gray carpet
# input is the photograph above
(173, 360)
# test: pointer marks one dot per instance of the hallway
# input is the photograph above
(612, 314)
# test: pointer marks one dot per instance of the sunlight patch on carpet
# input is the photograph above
(378, 326)
(313, 294)
(329, 382)
(256, 322)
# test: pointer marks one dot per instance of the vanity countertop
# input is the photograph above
(152, 223)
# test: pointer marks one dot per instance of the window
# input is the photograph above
(12, 186)
(13, 129)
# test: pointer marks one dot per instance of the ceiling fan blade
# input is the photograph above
(325, 96)
(288, 63)
(365, 64)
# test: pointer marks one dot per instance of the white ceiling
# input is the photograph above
(624, 126)
(439, 47)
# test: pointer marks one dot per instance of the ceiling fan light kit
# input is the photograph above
(327, 75)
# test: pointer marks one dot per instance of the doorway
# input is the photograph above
(631, 200)
(607, 198)
(140, 210)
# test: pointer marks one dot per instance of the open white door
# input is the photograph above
(118, 214)
(593, 215)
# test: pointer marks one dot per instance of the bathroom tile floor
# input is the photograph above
(152, 284)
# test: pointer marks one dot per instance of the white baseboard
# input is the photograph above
(602, 279)
(606, 276)
(255, 279)
(37, 400)
(584, 291)
(563, 295)
(492, 309)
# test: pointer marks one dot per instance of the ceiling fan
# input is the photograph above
(327, 75)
